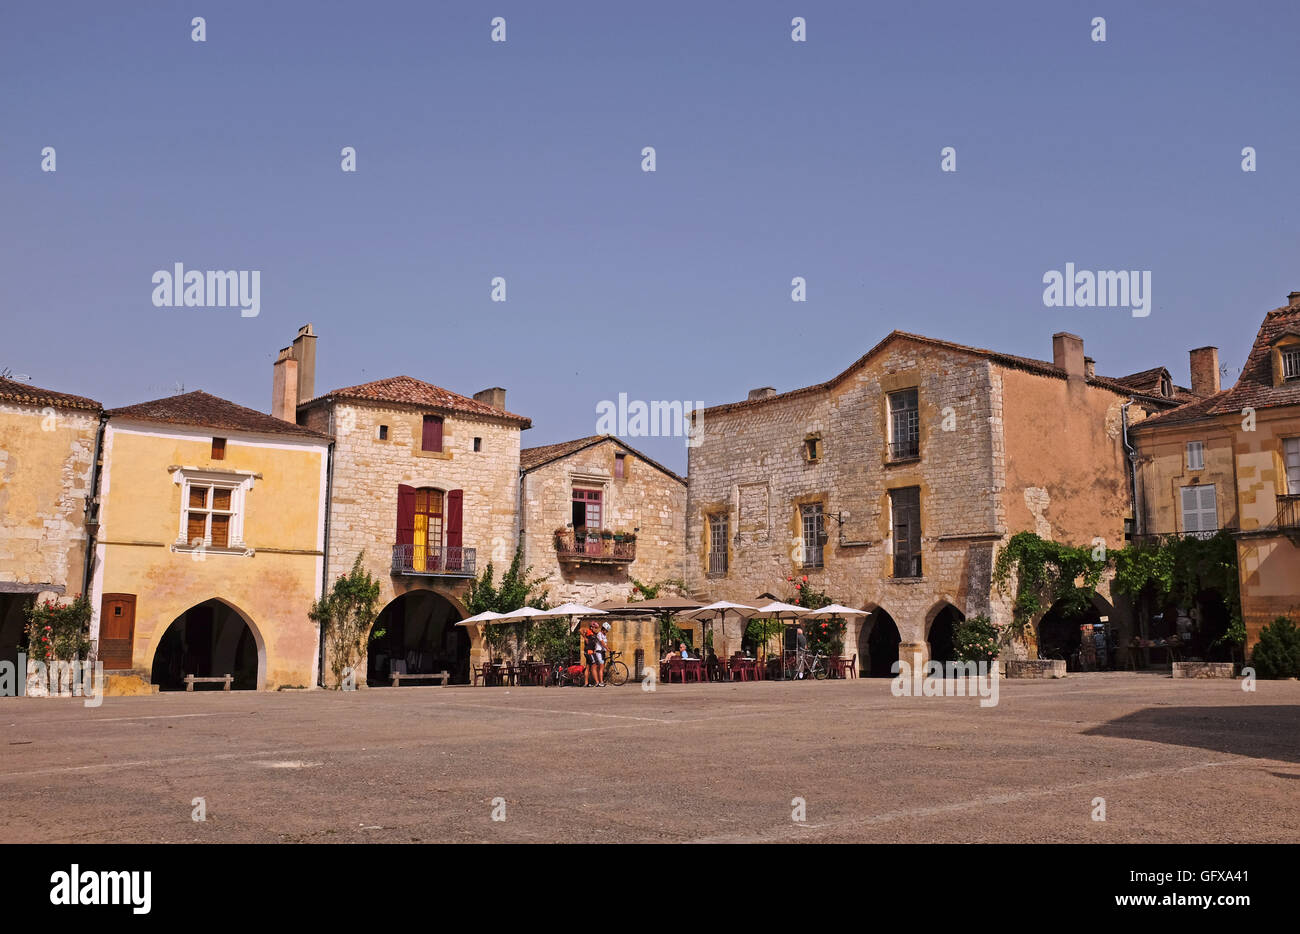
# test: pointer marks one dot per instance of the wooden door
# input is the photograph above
(116, 630)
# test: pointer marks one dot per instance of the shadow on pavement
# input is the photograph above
(1271, 732)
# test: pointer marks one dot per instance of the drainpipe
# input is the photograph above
(1132, 462)
(92, 503)
(325, 563)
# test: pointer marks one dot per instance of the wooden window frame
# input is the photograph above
(719, 563)
(904, 442)
(425, 422)
(1200, 511)
(237, 484)
(812, 522)
(1199, 447)
(907, 558)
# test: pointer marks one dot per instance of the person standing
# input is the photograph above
(589, 644)
(602, 653)
(801, 648)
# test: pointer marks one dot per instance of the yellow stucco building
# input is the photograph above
(210, 549)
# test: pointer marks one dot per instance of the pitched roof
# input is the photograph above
(1190, 412)
(532, 458)
(407, 390)
(203, 410)
(1254, 387)
(13, 391)
(1028, 364)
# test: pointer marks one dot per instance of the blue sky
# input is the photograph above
(522, 159)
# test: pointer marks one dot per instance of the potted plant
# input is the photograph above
(607, 541)
(564, 539)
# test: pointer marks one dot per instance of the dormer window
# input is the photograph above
(1290, 363)
(1166, 387)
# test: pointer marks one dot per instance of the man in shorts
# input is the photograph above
(590, 647)
(602, 653)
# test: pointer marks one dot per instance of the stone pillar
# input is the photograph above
(916, 654)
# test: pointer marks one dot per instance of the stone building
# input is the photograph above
(1231, 460)
(893, 485)
(572, 491)
(425, 483)
(48, 448)
(210, 545)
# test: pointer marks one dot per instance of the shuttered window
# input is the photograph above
(1200, 512)
(1291, 448)
(431, 437)
(905, 505)
(208, 516)
(1195, 455)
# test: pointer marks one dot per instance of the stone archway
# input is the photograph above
(878, 642)
(940, 631)
(419, 635)
(210, 639)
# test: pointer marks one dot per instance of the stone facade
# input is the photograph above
(368, 469)
(1005, 444)
(647, 499)
(47, 456)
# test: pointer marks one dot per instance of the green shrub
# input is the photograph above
(1277, 654)
(975, 640)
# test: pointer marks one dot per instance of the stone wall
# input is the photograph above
(46, 460)
(646, 498)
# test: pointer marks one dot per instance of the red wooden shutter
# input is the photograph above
(431, 440)
(405, 515)
(455, 510)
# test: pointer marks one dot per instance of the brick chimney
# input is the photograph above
(495, 397)
(293, 376)
(762, 392)
(1089, 367)
(1293, 300)
(1067, 353)
(1205, 371)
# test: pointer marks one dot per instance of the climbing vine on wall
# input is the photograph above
(1046, 573)
(1177, 569)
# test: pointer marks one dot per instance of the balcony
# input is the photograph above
(582, 547)
(1288, 512)
(421, 561)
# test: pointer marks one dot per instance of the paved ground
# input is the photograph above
(1176, 761)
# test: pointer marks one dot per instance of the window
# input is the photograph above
(814, 534)
(1200, 515)
(383, 432)
(478, 444)
(586, 508)
(429, 529)
(718, 545)
(431, 438)
(905, 506)
(1291, 450)
(1195, 455)
(218, 449)
(904, 425)
(1291, 363)
(620, 466)
(812, 449)
(210, 514)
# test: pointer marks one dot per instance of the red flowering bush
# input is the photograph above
(59, 631)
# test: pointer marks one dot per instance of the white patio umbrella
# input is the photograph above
(486, 616)
(717, 612)
(778, 610)
(573, 611)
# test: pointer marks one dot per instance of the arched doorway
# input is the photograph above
(13, 624)
(209, 640)
(878, 642)
(1061, 632)
(420, 636)
(942, 632)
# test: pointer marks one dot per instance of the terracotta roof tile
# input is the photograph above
(1254, 387)
(14, 391)
(532, 458)
(203, 410)
(406, 390)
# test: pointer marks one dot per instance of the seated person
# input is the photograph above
(682, 653)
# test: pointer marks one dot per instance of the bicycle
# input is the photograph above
(615, 671)
(811, 665)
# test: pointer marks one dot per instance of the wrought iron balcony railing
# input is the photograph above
(905, 450)
(434, 562)
(1288, 511)
(594, 548)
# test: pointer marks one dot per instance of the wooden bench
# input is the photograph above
(397, 677)
(223, 680)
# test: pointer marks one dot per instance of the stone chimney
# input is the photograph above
(1293, 300)
(1205, 371)
(1089, 367)
(284, 387)
(1067, 353)
(762, 392)
(293, 376)
(495, 397)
